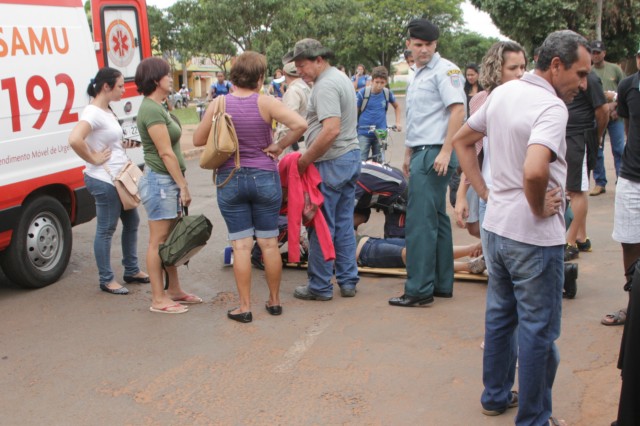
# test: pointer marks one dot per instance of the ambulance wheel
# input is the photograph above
(40, 246)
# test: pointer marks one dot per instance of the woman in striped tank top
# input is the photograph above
(250, 201)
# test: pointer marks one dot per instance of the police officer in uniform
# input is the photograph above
(435, 111)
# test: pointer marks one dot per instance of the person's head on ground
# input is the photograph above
(379, 79)
(565, 62)
(598, 52)
(311, 58)
(422, 40)
(153, 74)
(504, 61)
(408, 57)
(108, 81)
(249, 70)
(220, 77)
(471, 75)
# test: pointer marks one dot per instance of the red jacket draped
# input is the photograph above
(297, 186)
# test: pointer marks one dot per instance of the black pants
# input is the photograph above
(629, 360)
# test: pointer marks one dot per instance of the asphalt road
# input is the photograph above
(73, 355)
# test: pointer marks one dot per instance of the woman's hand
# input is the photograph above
(101, 157)
(461, 211)
(273, 150)
(130, 143)
(185, 196)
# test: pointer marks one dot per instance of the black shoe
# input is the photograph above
(443, 294)
(241, 317)
(121, 290)
(347, 292)
(584, 246)
(570, 277)
(140, 280)
(410, 301)
(571, 252)
(273, 310)
(303, 292)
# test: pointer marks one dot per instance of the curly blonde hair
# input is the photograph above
(491, 70)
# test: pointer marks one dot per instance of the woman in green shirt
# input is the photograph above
(163, 188)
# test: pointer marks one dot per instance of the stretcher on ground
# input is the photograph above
(399, 272)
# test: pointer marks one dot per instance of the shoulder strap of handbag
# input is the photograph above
(220, 109)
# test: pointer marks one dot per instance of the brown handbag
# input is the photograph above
(126, 183)
(222, 142)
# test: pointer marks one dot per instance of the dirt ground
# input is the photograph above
(70, 354)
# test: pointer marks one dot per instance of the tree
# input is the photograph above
(529, 22)
(464, 47)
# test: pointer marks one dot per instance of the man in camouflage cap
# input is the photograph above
(332, 146)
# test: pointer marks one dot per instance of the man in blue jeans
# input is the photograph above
(611, 75)
(525, 224)
(332, 146)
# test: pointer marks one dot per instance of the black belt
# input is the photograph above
(419, 148)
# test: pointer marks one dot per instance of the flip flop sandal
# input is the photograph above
(188, 299)
(171, 309)
(615, 318)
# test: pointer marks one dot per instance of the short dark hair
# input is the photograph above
(105, 75)
(149, 72)
(379, 72)
(248, 69)
(562, 44)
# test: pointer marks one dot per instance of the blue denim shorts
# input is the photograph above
(160, 195)
(250, 202)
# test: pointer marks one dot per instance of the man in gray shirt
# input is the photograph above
(332, 146)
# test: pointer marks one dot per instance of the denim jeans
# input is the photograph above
(250, 202)
(338, 187)
(108, 210)
(524, 294)
(382, 253)
(369, 142)
(616, 136)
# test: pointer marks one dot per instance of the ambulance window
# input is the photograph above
(121, 35)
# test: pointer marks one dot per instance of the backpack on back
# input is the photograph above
(367, 95)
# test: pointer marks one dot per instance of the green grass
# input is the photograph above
(186, 115)
(398, 87)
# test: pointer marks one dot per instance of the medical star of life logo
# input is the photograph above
(120, 43)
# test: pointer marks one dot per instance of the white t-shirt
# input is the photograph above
(518, 114)
(106, 132)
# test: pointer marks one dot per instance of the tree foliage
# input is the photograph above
(372, 32)
(529, 22)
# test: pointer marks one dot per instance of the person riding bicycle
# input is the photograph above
(373, 102)
(383, 188)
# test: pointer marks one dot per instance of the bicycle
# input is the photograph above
(384, 139)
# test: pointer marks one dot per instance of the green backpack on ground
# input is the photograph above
(189, 235)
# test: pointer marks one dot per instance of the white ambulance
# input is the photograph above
(48, 55)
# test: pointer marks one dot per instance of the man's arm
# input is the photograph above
(536, 179)
(456, 119)
(602, 119)
(326, 137)
(464, 143)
